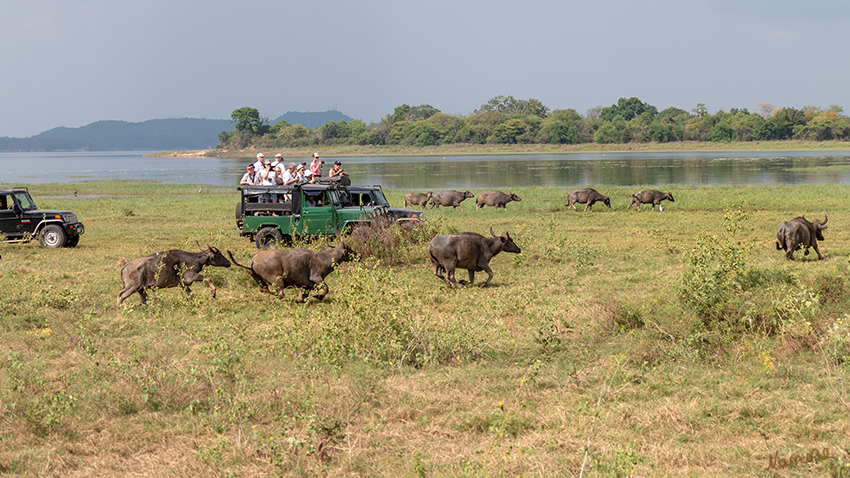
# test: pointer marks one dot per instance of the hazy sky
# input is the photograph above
(73, 62)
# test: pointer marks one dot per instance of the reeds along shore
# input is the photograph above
(617, 343)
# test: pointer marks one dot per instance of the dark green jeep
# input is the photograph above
(272, 214)
(21, 221)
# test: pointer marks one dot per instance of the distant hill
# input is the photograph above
(152, 135)
(310, 120)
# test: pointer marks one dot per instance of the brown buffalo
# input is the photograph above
(418, 199)
(587, 196)
(800, 232)
(168, 269)
(650, 196)
(467, 250)
(449, 198)
(299, 268)
(495, 199)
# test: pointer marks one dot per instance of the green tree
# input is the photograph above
(248, 119)
(628, 108)
(721, 132)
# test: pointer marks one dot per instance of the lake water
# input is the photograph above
(456, 172)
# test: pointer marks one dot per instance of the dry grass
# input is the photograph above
(579, 360)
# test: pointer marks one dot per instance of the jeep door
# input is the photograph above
(10, 218)
(317, 213)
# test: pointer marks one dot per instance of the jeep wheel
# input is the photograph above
(268, 238)
(72, 242)
(52, 236)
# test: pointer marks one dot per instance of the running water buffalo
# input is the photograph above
(587, 196)
(469, 251)
(449, 198)
(495, 199)
(299, 268)
(799, 232)
(650, 196)
(417, 199)
(169, 269)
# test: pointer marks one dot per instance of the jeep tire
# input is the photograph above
(72, 241)
(268, 238)
(52, 236)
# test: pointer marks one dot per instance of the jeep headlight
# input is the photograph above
(69, 217)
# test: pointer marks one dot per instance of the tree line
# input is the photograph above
(507, 120)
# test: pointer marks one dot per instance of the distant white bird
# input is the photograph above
(199, 189)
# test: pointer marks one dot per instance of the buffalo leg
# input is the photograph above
(126, 293)
(471, 278)
(144, 295)
(489, 275)
(321, 295)
(450, 278)
(815, 247)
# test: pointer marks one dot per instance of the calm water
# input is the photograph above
(456, 172)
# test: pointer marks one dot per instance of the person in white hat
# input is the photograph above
(258, 166)
(316, 166)
(278, 158)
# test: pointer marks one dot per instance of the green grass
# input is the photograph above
(584, 357)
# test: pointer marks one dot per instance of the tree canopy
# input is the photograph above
(510, 120)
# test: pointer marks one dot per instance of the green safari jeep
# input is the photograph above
(270, 215)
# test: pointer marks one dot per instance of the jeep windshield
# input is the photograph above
(24, 200)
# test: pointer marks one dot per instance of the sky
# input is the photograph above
(73, 62)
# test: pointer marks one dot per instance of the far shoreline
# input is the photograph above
(485, 149)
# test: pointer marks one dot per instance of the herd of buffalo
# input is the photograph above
(305, 269)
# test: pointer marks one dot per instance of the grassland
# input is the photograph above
(617, 343)
(467, 149)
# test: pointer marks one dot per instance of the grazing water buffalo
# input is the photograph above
(469, 251)
(650, 196)
(587, 196)
(169, 269)
(418, 199)
(299, 268)
(799, 232)
(495, 199)
(449, 198)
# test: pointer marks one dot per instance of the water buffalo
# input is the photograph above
(587, 196)
(799, 232)
(650, 196)
(449, 198)
(299, 268)
(469, 251)
(495, 199)
(169, 269)
(418, 199)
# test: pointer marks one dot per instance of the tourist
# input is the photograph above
(289, 177)
(316, 166)
(258, 165)
(249, 178)
(278, 158)
(267, 179)
(337, 170)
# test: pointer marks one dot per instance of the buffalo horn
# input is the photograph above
(491, 231)
(825, 218)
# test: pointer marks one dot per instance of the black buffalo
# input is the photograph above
(650, 196)
(495, 199)
(799, 232)
(417, 199)
(299, 268)
(467, 250)
(588, 196)
(449, 198)
(169, 269)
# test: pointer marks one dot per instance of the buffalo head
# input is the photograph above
(508, 244)
(514, 197)
(213, 257)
